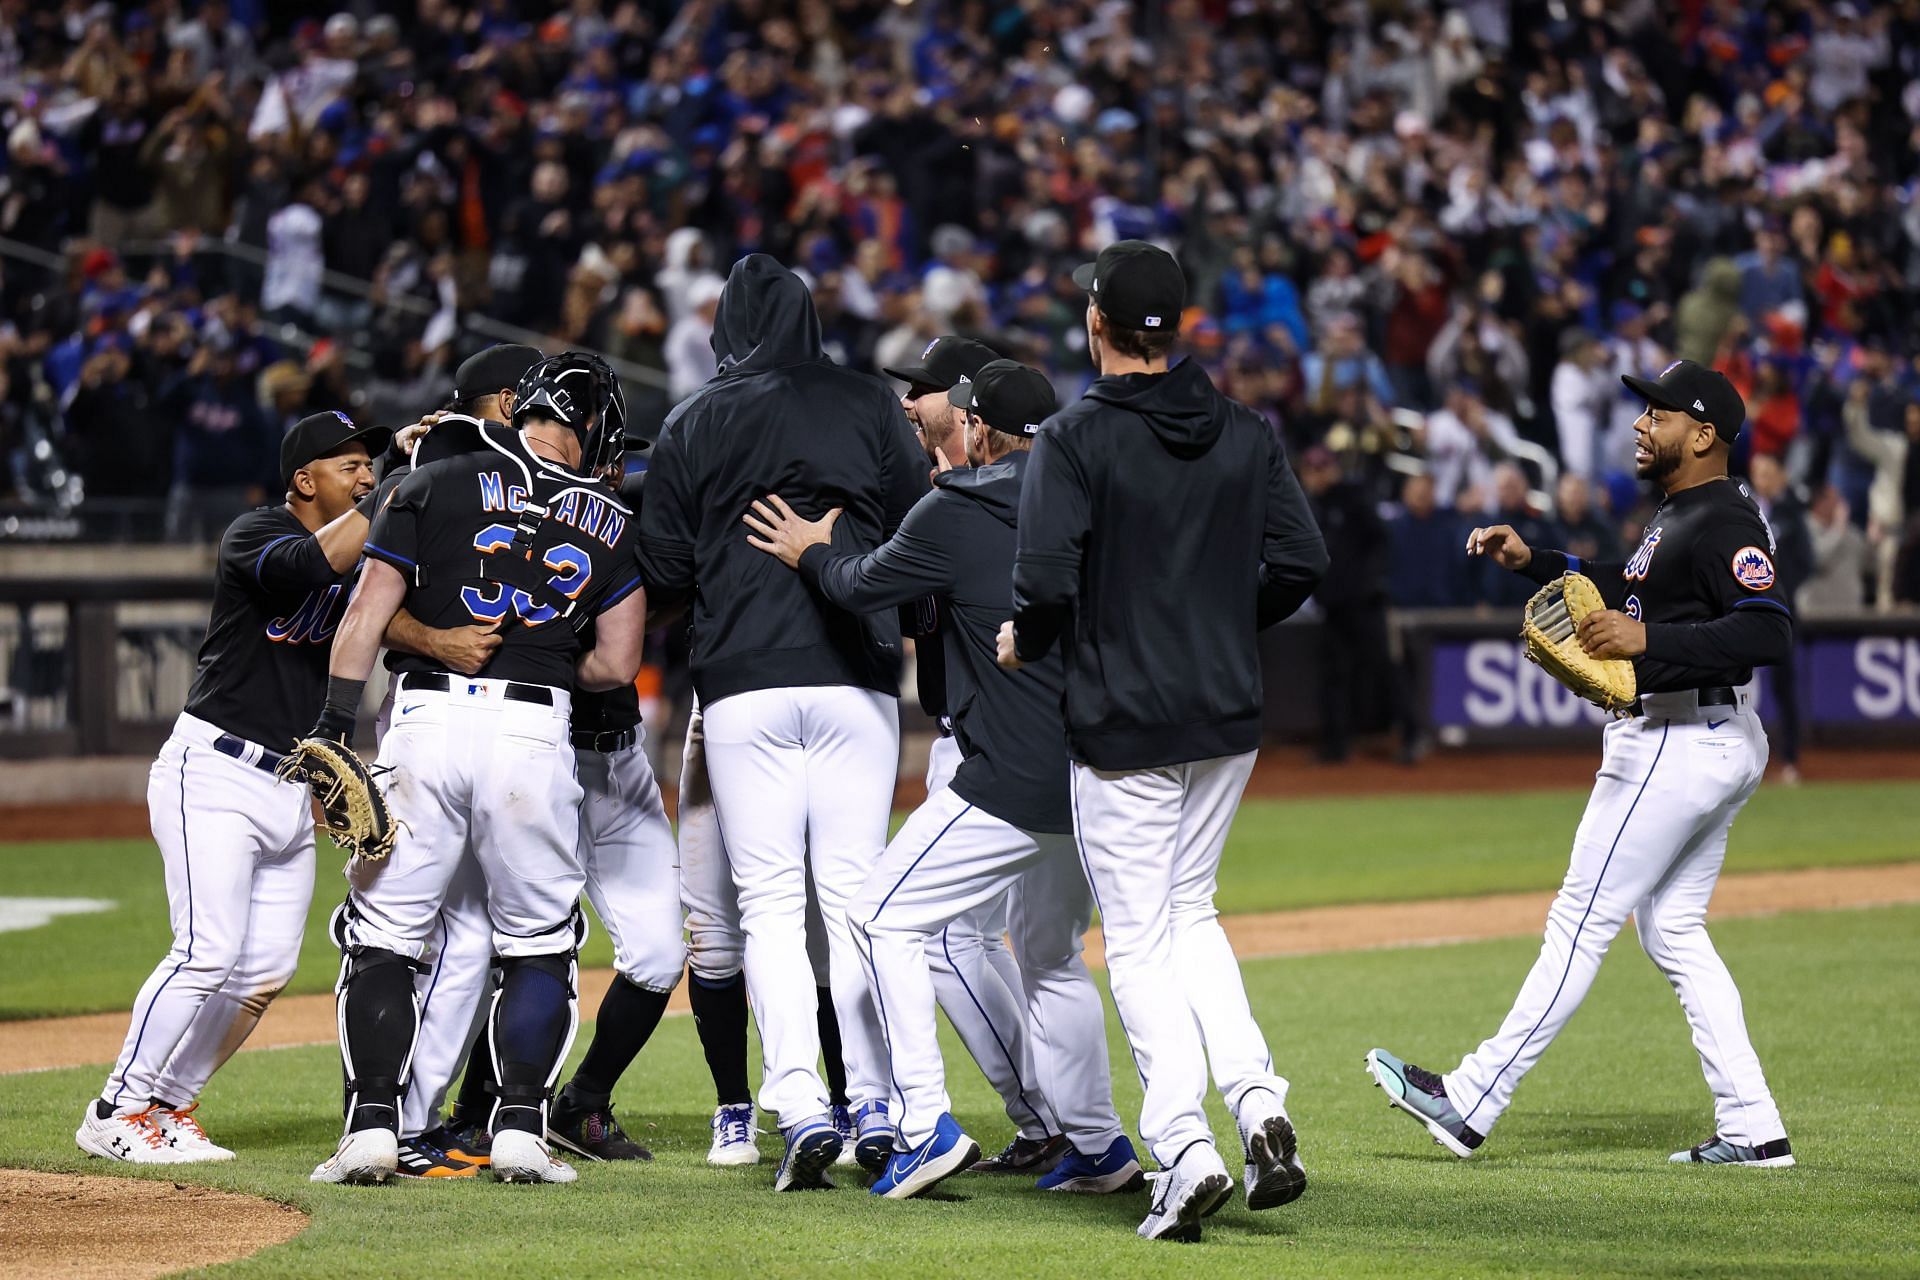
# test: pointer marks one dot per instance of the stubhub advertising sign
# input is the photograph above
(1488, 684)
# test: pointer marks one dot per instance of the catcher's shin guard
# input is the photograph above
(379, 1018)
(530, 1029)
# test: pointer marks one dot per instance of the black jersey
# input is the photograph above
(449, 526)
(1704, 582)
(276, 601)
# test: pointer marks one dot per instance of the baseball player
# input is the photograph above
(1697, 607)
(236, 842)
(976, 980)
(797, 698)
(1160, 528)
(515, 533)
(1003, 818)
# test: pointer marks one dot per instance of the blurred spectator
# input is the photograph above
(1584, 391)
(1415, 316)
(1895, 459)
(1463, 442)
(1840, 558)
(295, 259)
(1584, 531)
(226, 451)
(1342, 361)
(1428, 551)
(124, 449)
(1511, 506)
(1770, 277)
(689, 349)
(1708, 314)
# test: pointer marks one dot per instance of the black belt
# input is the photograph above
(1721, 696)
(608, 740)
(441, 682)
(239, 748)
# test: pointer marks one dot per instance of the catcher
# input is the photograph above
(1695, 609)
(518, 532)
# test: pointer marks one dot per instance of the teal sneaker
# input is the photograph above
(1777, 1154)
(1419, 1093)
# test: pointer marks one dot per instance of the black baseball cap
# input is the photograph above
(319, 434)
(1686, 386)
(946, 360)
(489, 372)
(1137, 285)
(1008, 396)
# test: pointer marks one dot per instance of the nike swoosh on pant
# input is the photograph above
(1715, 724)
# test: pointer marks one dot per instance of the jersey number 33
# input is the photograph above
(572, 571)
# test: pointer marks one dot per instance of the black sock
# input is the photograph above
(830, 1049)
(379, 1024)
(475, 1102)
(626, 1019)
(529, 1024)
(720, 1014)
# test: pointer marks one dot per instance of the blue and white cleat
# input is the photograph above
(812, 1146)
(1420, 1094)
(849, 1135)
(875, 1143)
(911, 1173)
(1113, 1170)
(1777, 1154)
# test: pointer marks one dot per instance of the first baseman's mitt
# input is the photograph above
(352, 810)
(1552, 619)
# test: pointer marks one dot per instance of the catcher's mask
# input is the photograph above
(580, 391)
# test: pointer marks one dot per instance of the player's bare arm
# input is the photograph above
(779, 531)
(614, 659)
(1500, 541)
(463, 649)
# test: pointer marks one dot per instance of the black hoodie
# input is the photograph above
(777, 418)
(1160, 529)
(957, 544)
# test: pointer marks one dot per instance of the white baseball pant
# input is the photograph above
(1150, 840)
(1651, 843)
(236, 845)
(952, 857)
(978, 984)
(803, 783)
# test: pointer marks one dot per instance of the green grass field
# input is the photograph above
(1283, 853)
(1573, 1182)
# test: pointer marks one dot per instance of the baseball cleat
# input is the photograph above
(1194, 1188)
(911, 1173)
(133, 1138)
(467, 1143)
(1113, 1170)
(1026, 1155)
(812, 1145)
(519, 1156)
(875, 1144)
(1274, 1173)
(1420, 1094)
(365, 1157)
(186, 1135)
(733, 1136)
(1777, 1154)
(592, 1132)
(419, 1158)
(843, 1125)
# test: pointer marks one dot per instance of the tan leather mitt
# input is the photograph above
(1552, 618)
(352, 810)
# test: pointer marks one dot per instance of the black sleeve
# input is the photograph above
(1548, 564)
(903, 468)
(395, 535)
(1055, 516)
(1733, 570)
(916, 561)
(267, 556)
(1293, 555)
(668, 519)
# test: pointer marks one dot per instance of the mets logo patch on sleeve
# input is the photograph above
(1752, 569)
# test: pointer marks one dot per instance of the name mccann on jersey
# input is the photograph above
(596, 517)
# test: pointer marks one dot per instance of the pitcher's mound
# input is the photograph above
(66, 1225)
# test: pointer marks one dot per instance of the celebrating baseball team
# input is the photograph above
(1085, 586)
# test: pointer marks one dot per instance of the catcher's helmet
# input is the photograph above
(578, 390)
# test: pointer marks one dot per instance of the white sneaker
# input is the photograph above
(733, 1136)
(365, 1157)
(188, 1138)
(1194, 1188)
(134, 1138)
(519, 1156)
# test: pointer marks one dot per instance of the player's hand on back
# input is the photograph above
(778, 531)
(1004, 652)
(466, 649)
(408, 437)
(1503, 544)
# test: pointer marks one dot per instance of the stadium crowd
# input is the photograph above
(1423, 238)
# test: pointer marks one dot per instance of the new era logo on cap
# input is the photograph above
(1153, 322)
(1698, 407)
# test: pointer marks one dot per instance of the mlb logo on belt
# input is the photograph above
(1752, 569)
